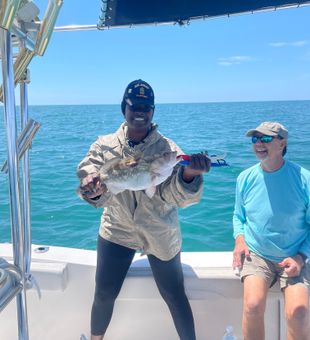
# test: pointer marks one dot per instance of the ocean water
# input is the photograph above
(60, 218)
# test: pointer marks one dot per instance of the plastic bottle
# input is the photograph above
(229, 334)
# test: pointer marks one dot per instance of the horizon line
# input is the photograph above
(176, 103)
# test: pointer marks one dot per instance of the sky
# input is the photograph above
(253, 57)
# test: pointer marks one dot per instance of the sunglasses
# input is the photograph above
(263, 139)
(141, 108)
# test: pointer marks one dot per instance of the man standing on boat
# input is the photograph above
(132, 220)
(272, 233)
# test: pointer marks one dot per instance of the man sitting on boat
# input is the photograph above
(272, 233)
(145, 220)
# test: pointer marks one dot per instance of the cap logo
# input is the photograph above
(139, 92)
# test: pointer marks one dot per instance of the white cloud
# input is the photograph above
(234, 60)
(298, 43)
(224, 63)
(278, 44)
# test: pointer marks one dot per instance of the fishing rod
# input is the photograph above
(216, 161)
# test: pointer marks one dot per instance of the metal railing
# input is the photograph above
(15, 278)
(13, 172)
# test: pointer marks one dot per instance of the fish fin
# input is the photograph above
(150, 191)
(119, 163)
(109, 163)
(129, 163)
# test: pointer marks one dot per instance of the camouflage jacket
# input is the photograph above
(131, 218)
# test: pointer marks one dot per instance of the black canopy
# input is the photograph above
(137, 12)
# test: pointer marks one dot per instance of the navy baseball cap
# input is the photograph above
(139, 92)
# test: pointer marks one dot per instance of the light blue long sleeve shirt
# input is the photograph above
(272, 211)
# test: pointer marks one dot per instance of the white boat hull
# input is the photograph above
(66, 279)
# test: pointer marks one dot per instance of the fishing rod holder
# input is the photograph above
(8, 10)
(24, 141)
(47, 26)
(10, 282)
(30, 35)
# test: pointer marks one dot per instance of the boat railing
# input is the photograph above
(19, 27)
(10, 282)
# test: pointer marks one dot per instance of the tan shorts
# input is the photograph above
(272, 272)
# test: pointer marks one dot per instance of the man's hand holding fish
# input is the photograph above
(198, 164)
(91, 186)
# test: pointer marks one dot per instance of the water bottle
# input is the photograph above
(229, 334)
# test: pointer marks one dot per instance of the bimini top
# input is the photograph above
(139, 12)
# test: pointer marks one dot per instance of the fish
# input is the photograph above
(138, 173)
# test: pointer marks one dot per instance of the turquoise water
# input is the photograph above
(60, 218)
